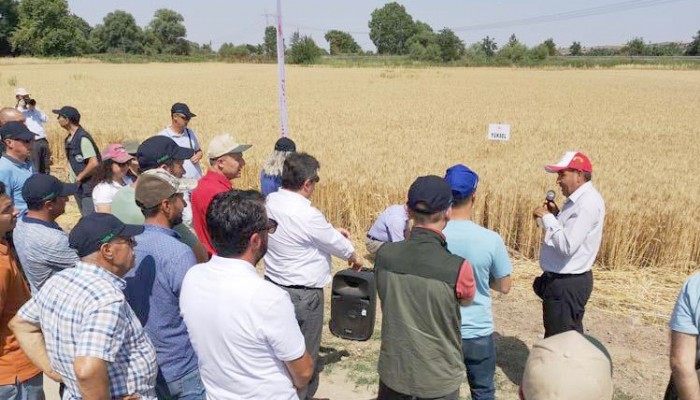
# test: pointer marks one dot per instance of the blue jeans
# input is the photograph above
(189, 387)
(31, 389)
(480, 360)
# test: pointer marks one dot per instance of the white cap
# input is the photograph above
(225, 144)
(21, 92)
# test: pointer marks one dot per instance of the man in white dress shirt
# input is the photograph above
(299, 254)
(571, 242)
(242, 328)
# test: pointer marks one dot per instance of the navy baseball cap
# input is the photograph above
(181, 108)
(96, 229)
(429, 194)
(68, 112)
(44, 187)
(16, 130)
(285, 144)
(158, 150)
(462, 181)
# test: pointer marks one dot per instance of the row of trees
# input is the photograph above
(47, 28)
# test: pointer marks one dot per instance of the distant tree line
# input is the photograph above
(48, 28)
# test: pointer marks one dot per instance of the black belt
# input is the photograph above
(292, 286)
(370, 237)
(564, 276)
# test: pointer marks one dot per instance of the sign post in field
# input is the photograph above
(282, 84)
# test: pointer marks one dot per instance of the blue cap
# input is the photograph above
(462, 181)
(96, 229)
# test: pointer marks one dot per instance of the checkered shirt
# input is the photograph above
(82, 312)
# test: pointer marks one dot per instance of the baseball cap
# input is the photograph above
(131, 146)
(181, 108)
(462, 181)
(96, 229)
(285, 144)
(571, 160)
(16, 130)
(225, 144)
(44, 187)
(68, 112)
(567, 366)
(116, 152)
(21, 92)
(157, 150)
(429, 194)
(156, 185)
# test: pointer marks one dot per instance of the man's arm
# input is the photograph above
(197, 156)
(501, 285)
(683, 352)
(93, 378)
(465, 287)
(568, 238)
(327, 238)
(301, 370)
(31, 340)
(90, 168)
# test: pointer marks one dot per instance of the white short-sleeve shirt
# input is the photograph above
(104, 192)
(242, 328)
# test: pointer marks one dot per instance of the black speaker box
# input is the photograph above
(353, 304)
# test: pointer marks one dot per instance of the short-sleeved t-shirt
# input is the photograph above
(686, 313)
(488, 256)
(88, 152)
(104, 192)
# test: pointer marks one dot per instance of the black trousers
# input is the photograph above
(564, 298)
(41, 156)
(387, 393)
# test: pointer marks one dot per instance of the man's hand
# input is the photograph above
(197, 156)
(355, 262)
(54, 376)
(343, 232)
(540, 211)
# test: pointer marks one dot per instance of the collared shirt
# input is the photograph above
(299, 252)
(43, 250)
(685, 317)
(243, 329)
(153, 292)
(35, 122)
(189, 140)
(572, 238)
(391, 224)
(486, 252)
(208, 187)
(14, 364)
(82, 312)
(13, 173)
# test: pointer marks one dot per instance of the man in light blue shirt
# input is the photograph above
(153, 286)
(685, 328)
(15, 166)
(390, 226)
(485, 250)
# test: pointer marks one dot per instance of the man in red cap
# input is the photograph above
(571, 241)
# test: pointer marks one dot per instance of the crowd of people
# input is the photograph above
(154, 293)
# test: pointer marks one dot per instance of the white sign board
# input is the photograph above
(499, 132)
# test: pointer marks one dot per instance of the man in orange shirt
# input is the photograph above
(19, 378)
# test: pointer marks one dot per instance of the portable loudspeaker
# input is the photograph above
(353, 304)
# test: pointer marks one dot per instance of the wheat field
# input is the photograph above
(375, 129)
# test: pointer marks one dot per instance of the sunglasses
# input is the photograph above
(183, 116)
(315, 179)
(270, 227)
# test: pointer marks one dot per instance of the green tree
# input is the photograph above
(46, 28)
(551, 47)
(514, 51)
(342, 43)
(118, 33)
(390, 27)
(169, 28)
(270, 42)
(575, 49)
(693, 48)
(303, 50)
(635, 47)
(424, 46)
(451, 46)
(539, 52)
(8, 23)
(489, 46)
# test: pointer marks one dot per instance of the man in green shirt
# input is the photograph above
(157, 152)
(83, 157)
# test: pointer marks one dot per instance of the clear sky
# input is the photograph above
(240, 22)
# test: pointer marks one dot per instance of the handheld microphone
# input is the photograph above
(549, 198)
(551, 195)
